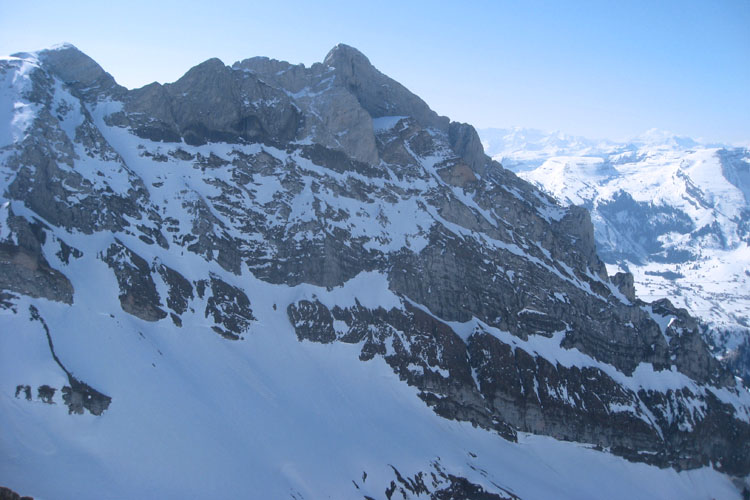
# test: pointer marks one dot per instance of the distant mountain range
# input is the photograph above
(671, 210)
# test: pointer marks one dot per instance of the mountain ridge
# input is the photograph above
(257, 228)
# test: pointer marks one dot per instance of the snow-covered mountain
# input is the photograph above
(520, 149)
(274, 281)
(674, 212)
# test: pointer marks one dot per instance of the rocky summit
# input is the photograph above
(278, 281)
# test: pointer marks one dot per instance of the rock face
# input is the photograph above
(8, 494)
(436, 484)
(23, 268)
(138, 294)
(329, 186)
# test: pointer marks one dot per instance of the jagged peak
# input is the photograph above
(378, 94)
(208, 70)
(209, 66)
(256, 60)
(37, 54)
(61, 46)
(342, 53)
(70, 64)
(211, 63)
(266, 65)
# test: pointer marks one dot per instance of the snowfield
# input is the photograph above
(269, 417)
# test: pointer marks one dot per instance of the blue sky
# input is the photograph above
(609, 69)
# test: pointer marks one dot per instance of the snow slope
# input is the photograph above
(270, 417)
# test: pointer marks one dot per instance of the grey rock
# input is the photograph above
(138, 295)
(79, 71)
(492, 385)
(228, 306)
(626, 284)
(577, 225)
(79, 396)
(180, 289)
(466, 143)
(312, 321)
(24, 390)
(437, 483)
(24, 268)
(8, 494)
(45, 179)
(45, 394)
(378, 94)
(210, 103)
(691, 354)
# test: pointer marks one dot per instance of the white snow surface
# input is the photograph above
(16, 113)
(656, 169)
(268, 417)
(386, 122)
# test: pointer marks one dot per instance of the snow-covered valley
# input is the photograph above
(672, 211)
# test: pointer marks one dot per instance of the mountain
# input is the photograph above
(272, 281)
(520, 149)
(670, 210)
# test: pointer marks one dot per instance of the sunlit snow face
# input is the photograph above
(680, 231)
